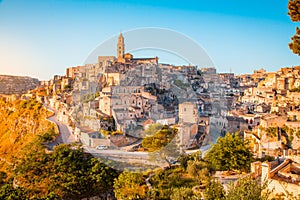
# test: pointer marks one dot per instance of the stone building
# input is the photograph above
(188, 113)
(283, 177)
(92, 138)
(188, 123)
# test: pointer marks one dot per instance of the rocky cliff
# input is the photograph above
(17, 84)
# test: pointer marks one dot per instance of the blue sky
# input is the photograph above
(42, 38)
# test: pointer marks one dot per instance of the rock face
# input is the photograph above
(17, 84)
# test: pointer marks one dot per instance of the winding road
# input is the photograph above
(65, 136)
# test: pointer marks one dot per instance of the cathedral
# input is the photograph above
(123, 57)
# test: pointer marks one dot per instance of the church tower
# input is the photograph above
(121, 46)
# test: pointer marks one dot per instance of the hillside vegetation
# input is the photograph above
(22, 122)
(29, 171)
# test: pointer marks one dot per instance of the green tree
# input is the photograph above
(7, 191)
(294, 13)
(160, 139)
(214, 191)
(183, 193)
(184, 158)
(247, 189)
(3, 176)
(200, 170)
(130, 185)
(153, 128)
(68, 173)
(230, 153)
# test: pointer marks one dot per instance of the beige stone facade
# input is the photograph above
(188, 113)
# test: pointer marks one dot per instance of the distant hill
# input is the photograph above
(16, 84)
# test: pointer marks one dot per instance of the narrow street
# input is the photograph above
(65, 135)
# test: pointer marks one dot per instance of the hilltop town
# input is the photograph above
(112, 102)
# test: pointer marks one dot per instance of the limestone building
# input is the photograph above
(188, 113)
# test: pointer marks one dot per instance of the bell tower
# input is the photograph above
(121, 46)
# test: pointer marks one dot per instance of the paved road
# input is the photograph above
(65, 135)
(130, 159)
(214, 136)
(115, 154)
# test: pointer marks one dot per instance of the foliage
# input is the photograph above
(3, 176)
(21, 122)
(183, 193)
(88, 97)
(130, 185)
(105, 132)
(286, 195)
(294, 10)
(167, 154)
(294, 13)
(67, 87)
(247, 188)
(200, 170)
(160, 139)
(7, 191)
(272, 131)
(230, 153)
(176, 182)
(67, 172)
(298, 134)
(48, 136)
(295, 89)
(266, 158)
(35, 173)
(164, 182)
(180, 84)
(214, 191)
(184, 158)
(153, 128)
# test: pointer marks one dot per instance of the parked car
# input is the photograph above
(101, 147)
